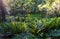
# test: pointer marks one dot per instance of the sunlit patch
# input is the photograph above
(57, 1)
(5, 2)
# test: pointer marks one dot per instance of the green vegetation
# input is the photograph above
(32, 25)
(30, 19)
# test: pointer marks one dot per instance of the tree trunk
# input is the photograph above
(3, 10)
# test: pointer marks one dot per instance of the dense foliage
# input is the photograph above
(30, 19)
(31, 25)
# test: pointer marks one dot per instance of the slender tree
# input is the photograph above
(3, 10)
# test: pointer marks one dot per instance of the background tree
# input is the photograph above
(3, 10)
